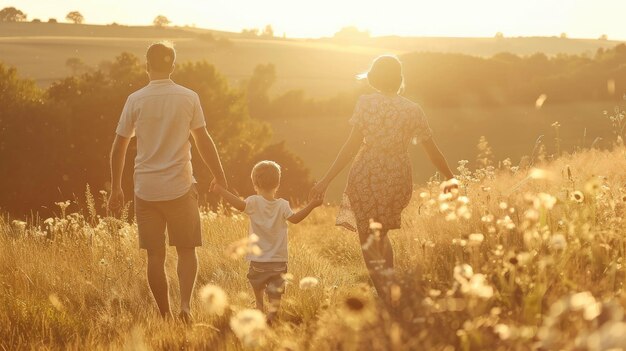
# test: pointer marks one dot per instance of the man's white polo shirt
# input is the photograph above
(161, 115)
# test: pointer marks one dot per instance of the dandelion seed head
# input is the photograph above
(213, 299)
(308, 283)
(375, 225)
(558, 242)
(56, 302)
(476, 238)
(249, 326)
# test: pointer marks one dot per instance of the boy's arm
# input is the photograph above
(231, 198)
(303, 213)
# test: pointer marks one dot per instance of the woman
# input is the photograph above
(380, 185)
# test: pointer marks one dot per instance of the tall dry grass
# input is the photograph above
(520, 259)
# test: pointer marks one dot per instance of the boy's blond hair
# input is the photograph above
(266, 175)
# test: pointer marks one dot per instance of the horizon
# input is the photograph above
(578, 20)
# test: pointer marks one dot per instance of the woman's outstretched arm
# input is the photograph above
(349, 149)
(437, 158)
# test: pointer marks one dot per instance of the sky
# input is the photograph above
(319, 18)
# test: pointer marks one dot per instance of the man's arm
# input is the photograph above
(231, 198)
(117, 159)
(209, 154)
(303, 213)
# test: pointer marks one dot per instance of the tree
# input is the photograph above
(75, 17)
(250, 32)
(263, 77)
(499, 35)
(161, 21)
(352, 34)
(268, 31)
(11, 14)
(52, 20)
(563, 35)
(604, 37)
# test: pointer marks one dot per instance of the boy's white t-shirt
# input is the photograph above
(268, 220)
(162, 115)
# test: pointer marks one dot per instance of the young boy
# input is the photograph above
(268, 220)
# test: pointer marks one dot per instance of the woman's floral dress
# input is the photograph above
(380, 184)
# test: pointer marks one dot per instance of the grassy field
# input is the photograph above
(523, 258)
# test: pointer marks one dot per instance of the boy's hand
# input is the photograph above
(216, 186)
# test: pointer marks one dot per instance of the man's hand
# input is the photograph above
(218, 182)
(116, 199)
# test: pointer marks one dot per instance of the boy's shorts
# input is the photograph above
(268, 276)
(180, 216)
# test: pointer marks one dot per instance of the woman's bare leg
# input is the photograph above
(378, 256)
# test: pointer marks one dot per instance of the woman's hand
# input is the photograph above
(318, 191)
(450, 185)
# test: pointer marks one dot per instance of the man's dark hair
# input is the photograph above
(161, 57)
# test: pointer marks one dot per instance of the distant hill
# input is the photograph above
(320, 67)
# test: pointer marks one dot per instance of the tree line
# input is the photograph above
(453, 80)
(54, 141)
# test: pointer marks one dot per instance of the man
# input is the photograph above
(162, 115)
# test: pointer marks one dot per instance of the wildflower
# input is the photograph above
(464, 212)
(506, 223)
(460, 242)
(537, 173)
(434, 292)
(488, 218)
(546, 201)
(249, 326)
(476, 239)
(524, 257)
(477, 286)
(308, 283)
(357, 310)
(581, 300)
(287, 277)
(375, 226)
(19, 225)
(558, 242)
(577, 196)
(214, 299)
(503, 331)
(424, 195)
(503, 205)
(463, 272)
(244, 246)
(56, 303)
(592, 186)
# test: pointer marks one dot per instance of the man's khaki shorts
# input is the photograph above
(180, 216)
